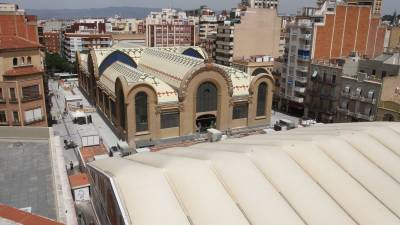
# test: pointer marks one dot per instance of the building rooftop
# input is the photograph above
(88, 153)
(13, 42)
(79, 180)
(327, 174)
(26, 178)
(13, 216)
(22, 71)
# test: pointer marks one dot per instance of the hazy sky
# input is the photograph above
(286, 6)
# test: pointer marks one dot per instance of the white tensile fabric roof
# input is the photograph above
(323, 175)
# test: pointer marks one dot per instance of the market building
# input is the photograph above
(152, 94)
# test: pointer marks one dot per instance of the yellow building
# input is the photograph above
(389, 106)
(150, 94)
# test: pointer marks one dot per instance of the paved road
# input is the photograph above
(67, 130)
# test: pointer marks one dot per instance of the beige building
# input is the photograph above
(256, 33)
(152, 94)
(389, 105)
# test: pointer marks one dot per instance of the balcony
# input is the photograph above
(300, 89)
(297, 99)
(305, 36)
(225, 51)
(37, 120)
(301, 79)
(305, 47)
(302, 68)
(16, 123)
(12, 100)
(304, 58)
(31, 98)
(368, 100)
(2, 101)
(230, 43)
(365, 117)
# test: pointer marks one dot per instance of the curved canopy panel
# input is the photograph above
(116, 56)
(193, 53)
(344, 174)
(165, 93)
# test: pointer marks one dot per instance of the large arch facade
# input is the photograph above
(224, 110)
(261, 79)
(116, 56)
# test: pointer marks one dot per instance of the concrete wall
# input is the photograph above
(257, 34)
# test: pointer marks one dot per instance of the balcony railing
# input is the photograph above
(368, 100)
(301, 79)
(31, 98)
(13, 100)
(2, 101)
(302, 68)
(29, 122)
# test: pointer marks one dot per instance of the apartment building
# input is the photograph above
(241, 38)
(76, 42)
(125, 25)
(170, 28)
(22, 90)
(208, 24)
(322, 34)
(52, 41)
(375, 4)
(261, 3)
(361, 92)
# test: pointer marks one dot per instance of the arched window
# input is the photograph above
(207, 97)
(192, 53)
(122, 110)
(261, 99)
(23, 60)
(259, 71)
(388, 117)
(15, 61)
(142, 122)
(29, 60)
(116, 56)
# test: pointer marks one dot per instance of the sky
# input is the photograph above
(286, 6)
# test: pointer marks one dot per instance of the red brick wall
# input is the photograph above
(351, 28)
(15, 25)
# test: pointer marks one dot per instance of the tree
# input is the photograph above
(56, 63)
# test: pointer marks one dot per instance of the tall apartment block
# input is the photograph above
(170, 28)
(76, 42)
(84, 34)
(261, 3)
(375, 4)
(335, 30)
(22, 90)
(242, 39)
(208, 24)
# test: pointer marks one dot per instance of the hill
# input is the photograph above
(126, 12)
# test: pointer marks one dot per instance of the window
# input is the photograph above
(261, 99)
(346, 89)
(33, 115)
(1, 94)
(16, 116)
(345, 105)
(368, 110)
(3, 117)
(374, 72)
(31, 92)
(29, 60)
(240, 111)
(12, 94)
(15, 62)
(384, 74)
(207, 97)
(358, 92)
(170, 119)
(141, 112)
(23, 60)
(371, 94)
(333, 79)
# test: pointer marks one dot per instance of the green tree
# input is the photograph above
(56, 63)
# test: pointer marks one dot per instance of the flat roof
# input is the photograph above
(26, 177)
(79, 180)
(344, 174)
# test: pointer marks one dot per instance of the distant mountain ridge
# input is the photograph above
(126, 12)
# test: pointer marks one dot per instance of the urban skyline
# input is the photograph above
(285, 6)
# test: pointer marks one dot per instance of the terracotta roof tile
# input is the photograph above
(79, 180)
(88, 153)
(23, 70)
(24, 218)
(13, 42)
